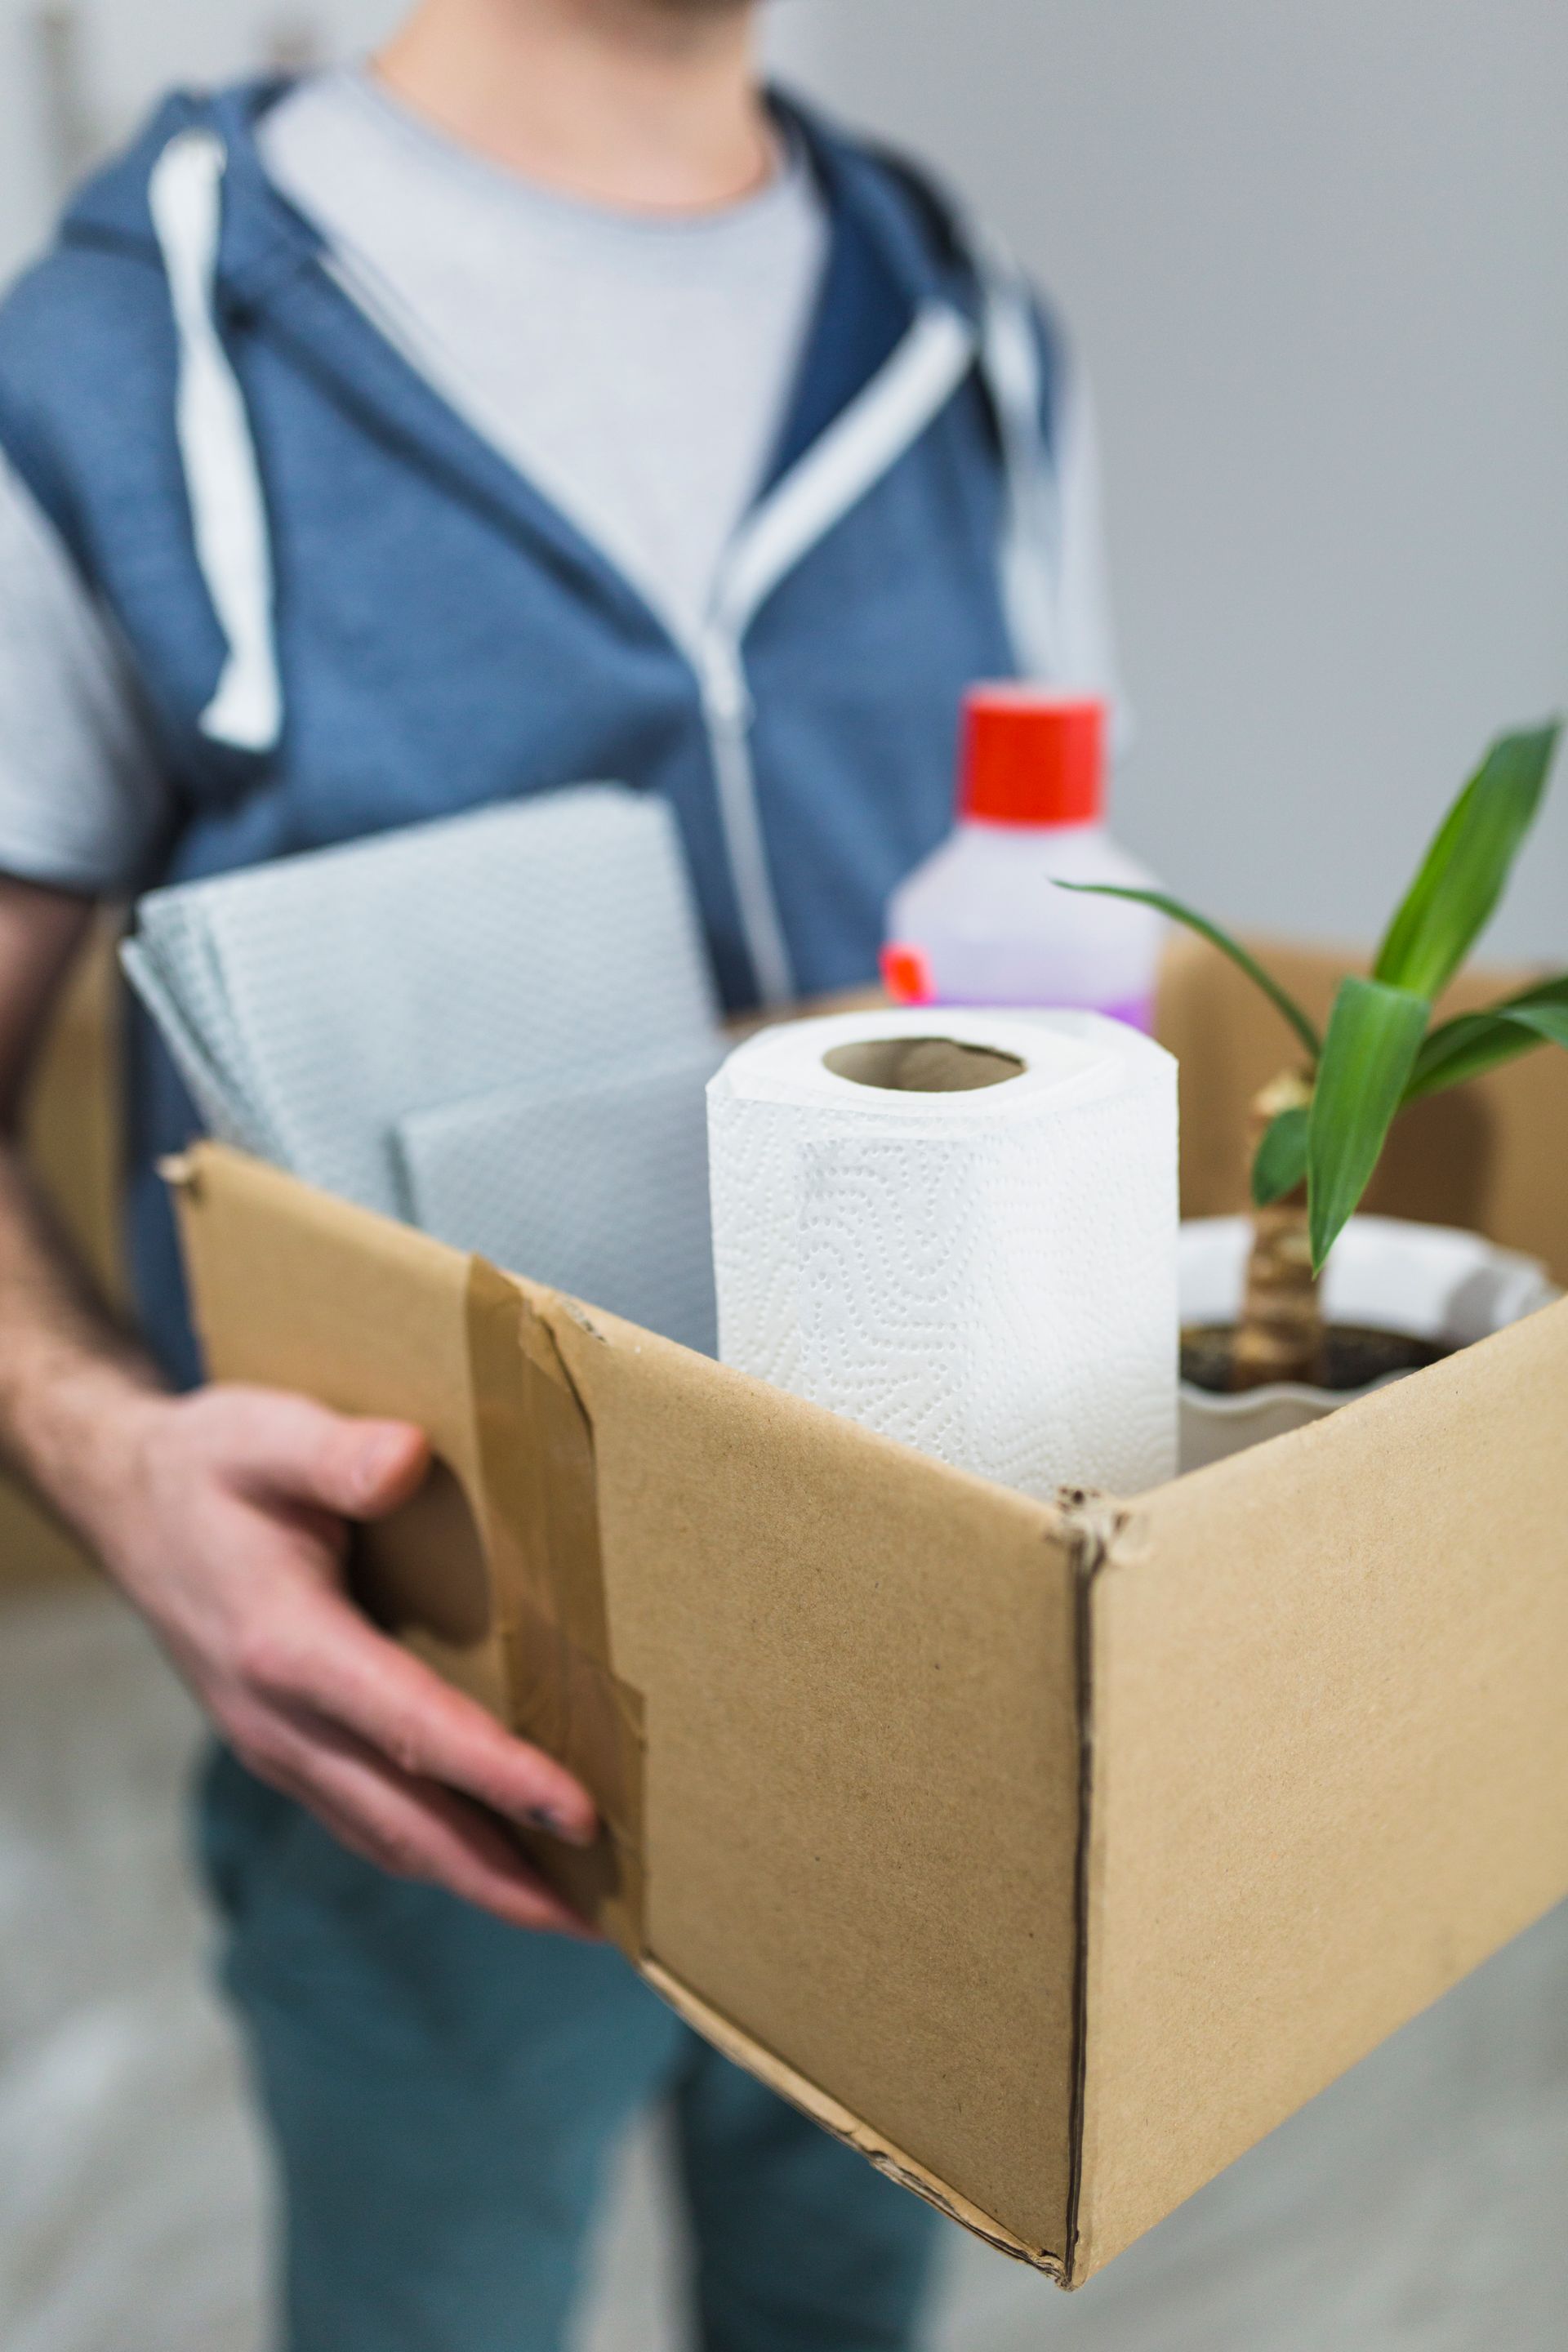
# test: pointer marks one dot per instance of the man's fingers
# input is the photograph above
(320, 1655)
(289, 1448)
(332, 1662)
(418, 1832)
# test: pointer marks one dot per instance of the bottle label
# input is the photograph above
(1138, 1014)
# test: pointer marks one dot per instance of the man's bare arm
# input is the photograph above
(224, 1518)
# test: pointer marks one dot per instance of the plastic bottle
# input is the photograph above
(981, 922)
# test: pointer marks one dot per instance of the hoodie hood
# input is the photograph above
(921, 244)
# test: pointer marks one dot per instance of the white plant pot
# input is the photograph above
(1427, 1281)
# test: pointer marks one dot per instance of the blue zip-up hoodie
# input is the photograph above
(347, 612)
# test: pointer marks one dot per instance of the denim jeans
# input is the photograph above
(443, 2094)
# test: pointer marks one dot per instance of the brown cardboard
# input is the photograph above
(862, 1771)
(70, 1134)
(1049, 1856)
(381, 1331)
(1331, 1759)
(835, 1791)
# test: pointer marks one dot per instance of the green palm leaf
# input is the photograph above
(1453, 897)
(1477, 1042)
(1281, 1000)
(1374, 1034)
(1280, 1163)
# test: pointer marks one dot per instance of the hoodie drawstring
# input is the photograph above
(222, 480)
(228, 510)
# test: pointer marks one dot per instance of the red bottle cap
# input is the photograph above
(1032, 756)
(906, 975)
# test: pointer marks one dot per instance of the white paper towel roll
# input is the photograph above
(959, 1229)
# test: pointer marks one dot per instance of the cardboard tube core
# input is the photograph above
(922, 1066)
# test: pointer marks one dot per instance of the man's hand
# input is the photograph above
(224, 1516)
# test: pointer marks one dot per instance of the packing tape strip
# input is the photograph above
(536, 1453)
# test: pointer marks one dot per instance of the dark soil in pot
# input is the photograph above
(1355, 1356)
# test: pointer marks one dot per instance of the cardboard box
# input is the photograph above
(71, 1135)
(1051, 1856)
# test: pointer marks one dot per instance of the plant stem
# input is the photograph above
(1281, 1335)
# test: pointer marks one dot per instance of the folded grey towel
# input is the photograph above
(496, 1026)
(599, 1175)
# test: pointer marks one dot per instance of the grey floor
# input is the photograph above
(1423, 2203)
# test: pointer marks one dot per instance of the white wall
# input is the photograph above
(1314, 254)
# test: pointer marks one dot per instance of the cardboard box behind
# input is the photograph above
(1051, 1856)
(71, 1129)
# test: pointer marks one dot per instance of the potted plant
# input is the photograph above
(1319, 1133)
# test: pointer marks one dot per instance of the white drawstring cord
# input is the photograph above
(229, 512)
(229, 518)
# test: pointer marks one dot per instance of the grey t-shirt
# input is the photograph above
(635, 366)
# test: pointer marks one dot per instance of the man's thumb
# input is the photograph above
(277, 1444)
(378, 1465)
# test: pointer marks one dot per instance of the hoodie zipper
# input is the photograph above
(727, 711)
(855, 453)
